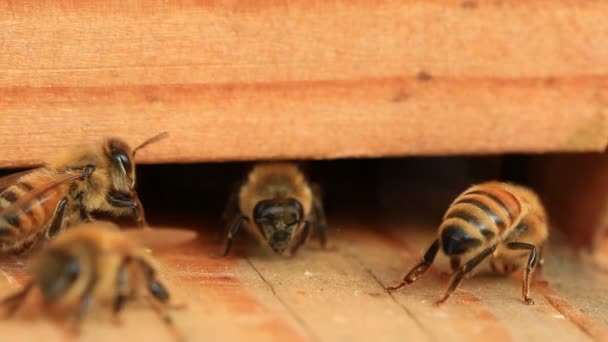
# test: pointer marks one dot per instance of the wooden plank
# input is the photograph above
(338, 294)
(336, 297)
(225, 299)
(373, 118)
(485, 307)
(76, 43)
(580, 284)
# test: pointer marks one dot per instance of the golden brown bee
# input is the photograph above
(277, 205)
(40, 203)
(502, 220)
(92, 265)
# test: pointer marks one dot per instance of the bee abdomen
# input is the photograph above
(29, 215)
(10, 220)
(499, 205)
(479, 223)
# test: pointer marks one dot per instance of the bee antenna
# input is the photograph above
(154, 139)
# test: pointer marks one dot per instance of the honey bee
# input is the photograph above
(502, 220)
(92, 265)
(279, 206)
(42, 202)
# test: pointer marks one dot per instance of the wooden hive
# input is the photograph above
(257, 80)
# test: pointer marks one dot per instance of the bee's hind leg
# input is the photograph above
(530, 266)
(122, 289)
(418, 270)
(159, 299)
(233, 230)
(464, 270)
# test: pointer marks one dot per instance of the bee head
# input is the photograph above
(278, 220)
(122, 160)
(56, 272)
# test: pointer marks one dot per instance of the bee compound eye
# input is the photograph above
(123, 159)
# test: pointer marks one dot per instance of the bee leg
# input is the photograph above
(57, 219)
(134, 204)
(86, 300)
(532, 261)
(160, 295)
(121, 203)
(140, 215)
(85, 216)
(302, 238)
(122, 289)
(14, 302)
(419, 269)
(156, 289)
(463, 270)
(320, 219)
(234, 229)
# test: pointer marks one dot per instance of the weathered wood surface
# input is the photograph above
(339, 294)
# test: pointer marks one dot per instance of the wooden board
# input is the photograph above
(360, 119)
(339, 295)
(80, 43)
(300, 79)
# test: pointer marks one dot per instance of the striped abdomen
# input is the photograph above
(480, 214)
(21, 222)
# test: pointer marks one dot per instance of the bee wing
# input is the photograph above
(8, 180)
(160, 237)
(38, 192)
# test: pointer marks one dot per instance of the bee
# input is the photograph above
(42, 202)
(501, 220)
(92, 265)
(278, 205)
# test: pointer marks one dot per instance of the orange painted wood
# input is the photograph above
(308, 120)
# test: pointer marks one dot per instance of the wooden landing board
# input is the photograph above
(339, 295)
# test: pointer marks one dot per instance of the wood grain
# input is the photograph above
(235, 80)
(485, 307)
(396, 117)
(339, 294)
(80, 43)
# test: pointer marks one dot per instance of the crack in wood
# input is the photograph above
(403, 307)
(292, 312)
(587, 324)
